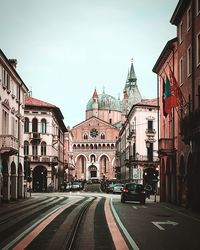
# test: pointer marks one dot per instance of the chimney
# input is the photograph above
(13, 62)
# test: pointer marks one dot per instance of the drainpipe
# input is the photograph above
(18, 118)
(174, 157)
(158, 130)
(193, 54)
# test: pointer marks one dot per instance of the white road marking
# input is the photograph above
(138, 207)
(127, 235)
(29, 229)
(158, 223)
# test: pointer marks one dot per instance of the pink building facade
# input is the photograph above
(94, 149)
(179, 131)
(94, 140)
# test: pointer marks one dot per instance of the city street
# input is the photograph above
(100, 125)
(81, 220)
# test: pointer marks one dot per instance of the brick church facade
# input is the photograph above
(94, 139)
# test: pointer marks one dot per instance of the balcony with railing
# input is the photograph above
(45, 159)
(132, 133)
(35, 158)
(35, 136)
(143, 158)
(9, 144)
(150, 132)
(166, 146)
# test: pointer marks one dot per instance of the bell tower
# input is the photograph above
(131, 92)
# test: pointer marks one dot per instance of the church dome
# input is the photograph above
(106, 102)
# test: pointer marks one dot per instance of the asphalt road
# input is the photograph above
(150, 226)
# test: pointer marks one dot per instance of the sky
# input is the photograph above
(67, 48)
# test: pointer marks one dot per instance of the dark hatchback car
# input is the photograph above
(133, 192)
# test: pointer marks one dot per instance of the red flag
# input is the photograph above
(175, 88)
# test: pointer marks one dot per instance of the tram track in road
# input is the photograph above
(19, 224)
(61, 233)
(72, 221)
(7, 209)
(71, 239)
(10, 215)
(75, 226)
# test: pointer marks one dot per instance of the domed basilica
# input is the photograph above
(94, 139)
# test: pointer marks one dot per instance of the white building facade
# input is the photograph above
(137, 145)
(44, 144)
(12, 103)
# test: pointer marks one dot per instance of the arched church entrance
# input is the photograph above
(93, 171)
(40, 179)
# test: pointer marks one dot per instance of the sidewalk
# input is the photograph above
(153, 198)
(183, 210)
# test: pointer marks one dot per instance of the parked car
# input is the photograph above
(109, 188)
(75, 186)
(133, 192)
(89, 181)
(95, 180)
(118, 188)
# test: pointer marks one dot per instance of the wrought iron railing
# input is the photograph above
(9, 144)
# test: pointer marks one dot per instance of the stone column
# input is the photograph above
(6, 187)
(14, 187)
(1, 183)
(21, 186)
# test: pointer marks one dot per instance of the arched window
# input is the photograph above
(43, 126)
(92, 158)
(82, 164)
(43, 148)
(105, 164)
(85, 136)
(26, 125)
(34, 125)
(26, 148)
(35, 151)
(102, 136)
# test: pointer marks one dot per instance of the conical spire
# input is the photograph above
(95, 96)
(128, 76)
(132, 76)
(131, 92)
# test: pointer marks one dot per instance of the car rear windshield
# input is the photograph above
(76, 183)
(133, 187)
